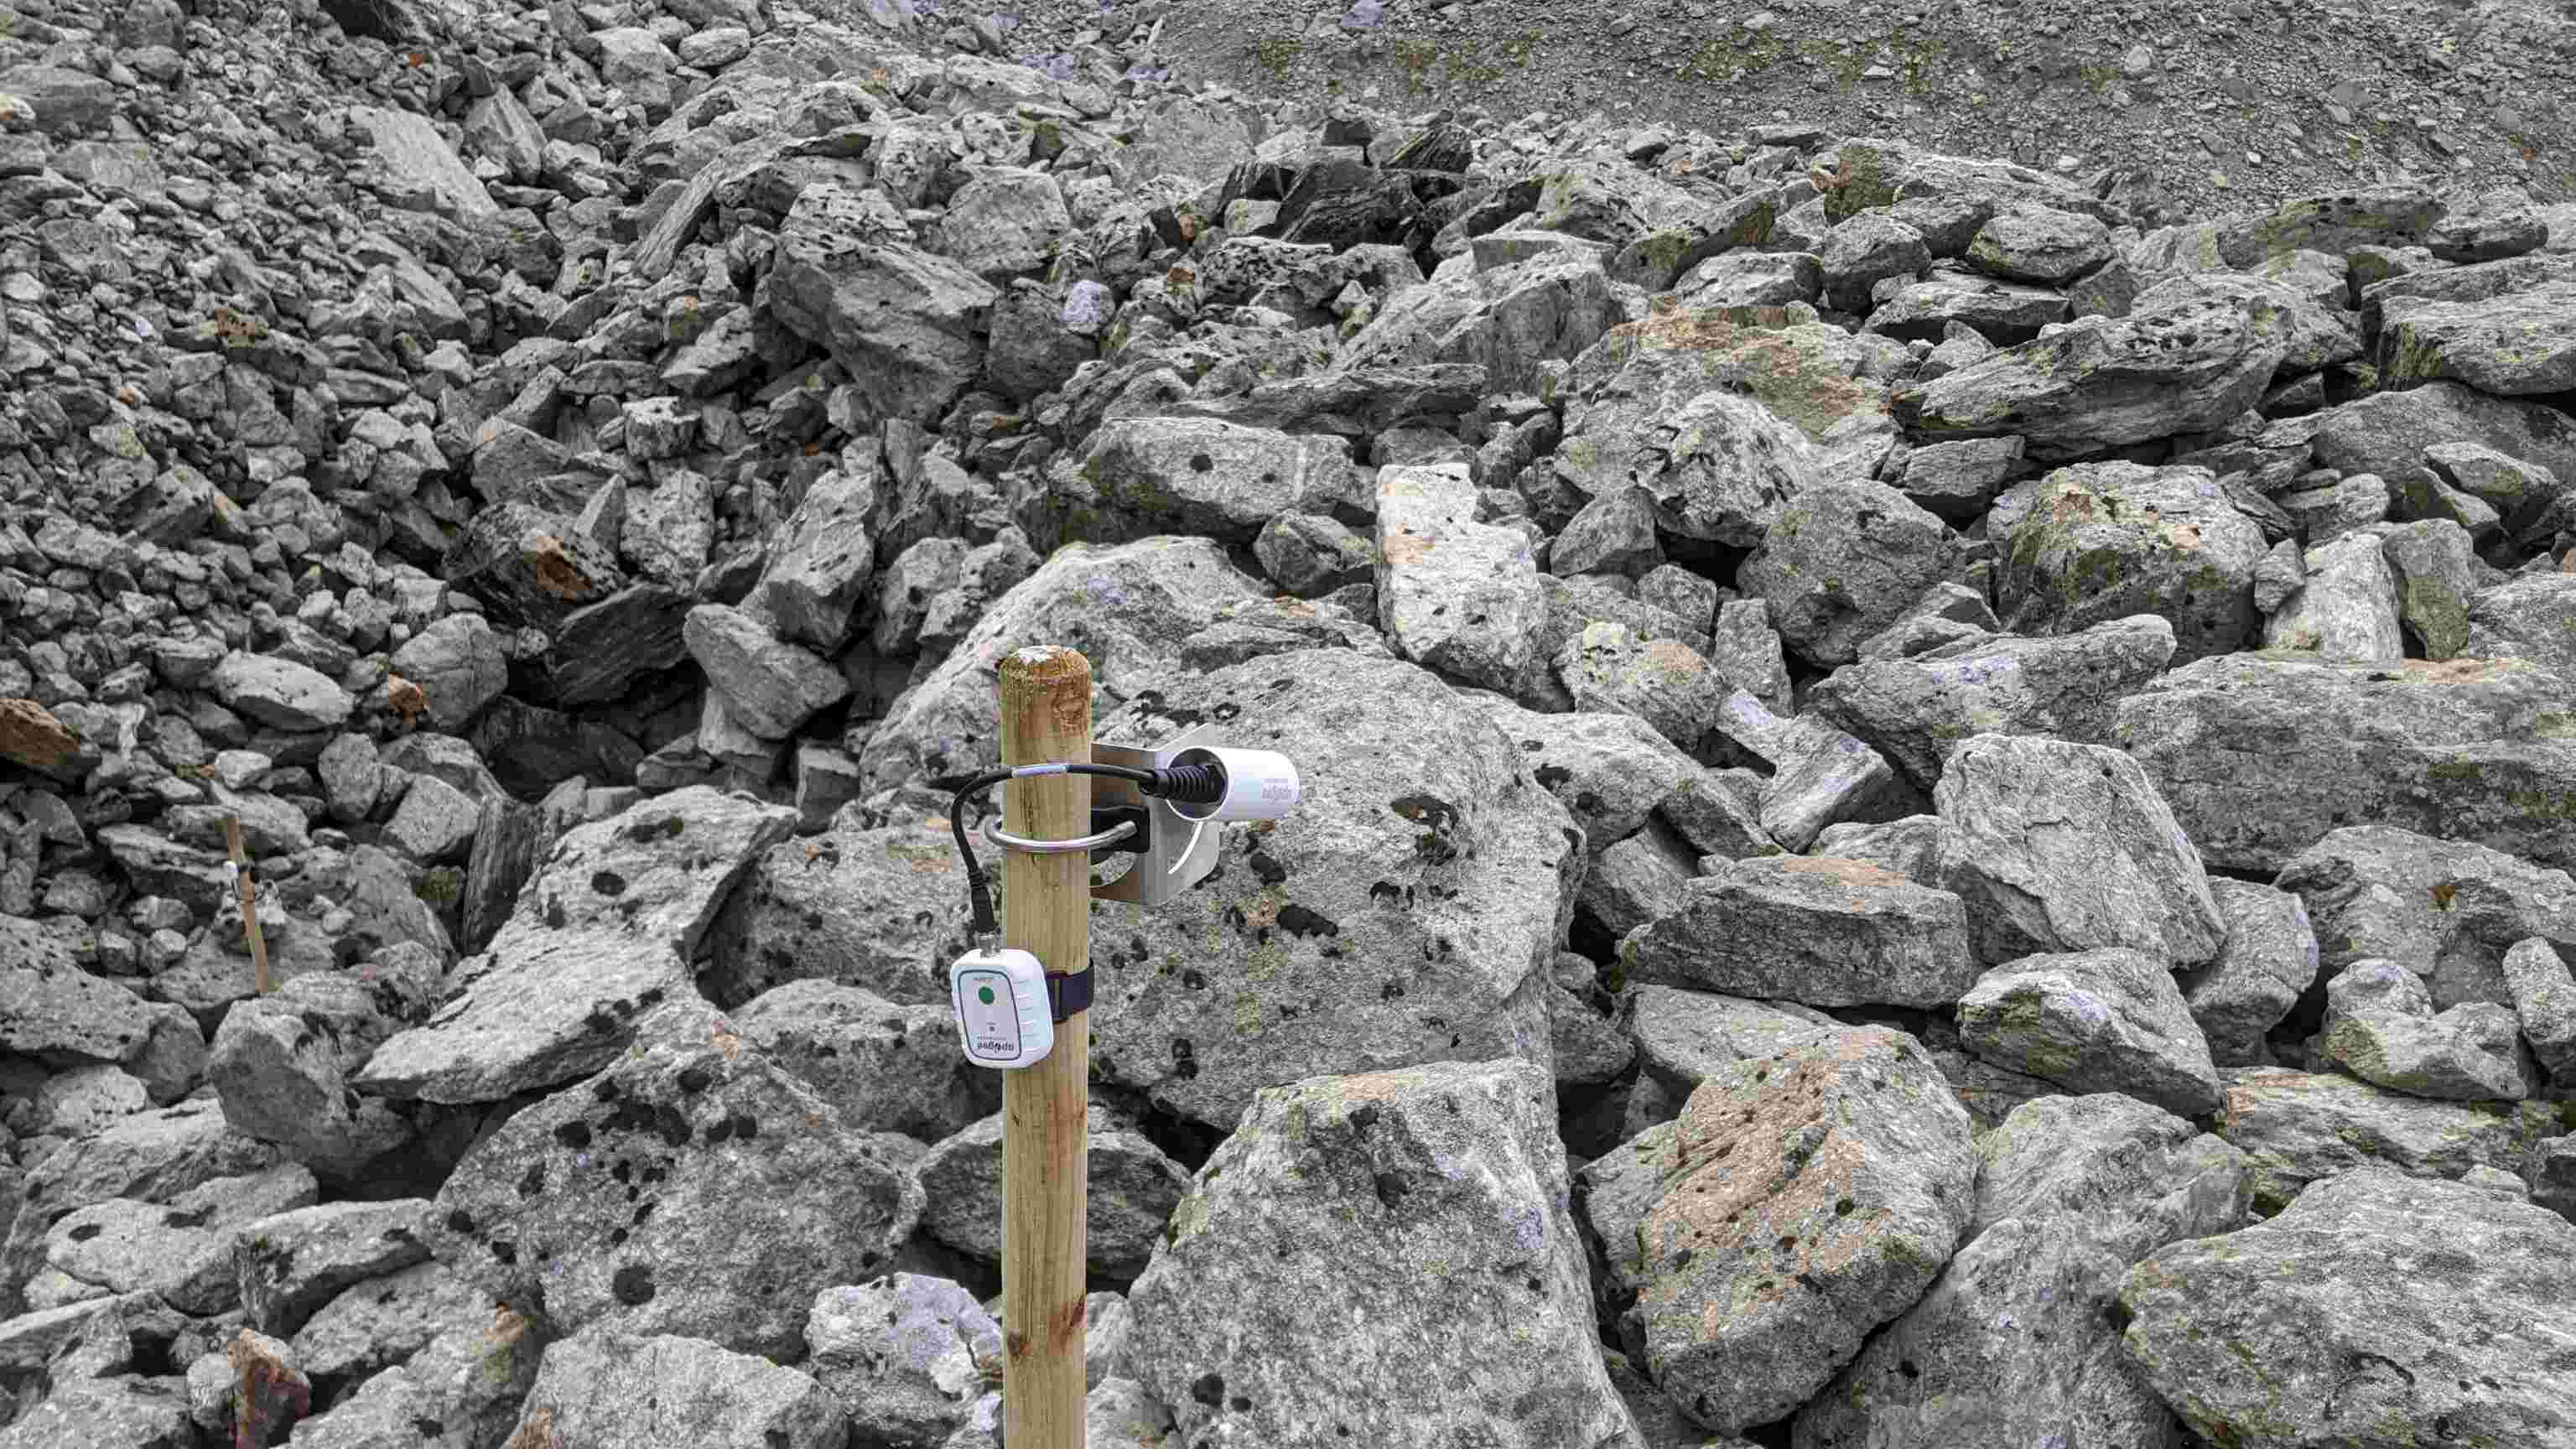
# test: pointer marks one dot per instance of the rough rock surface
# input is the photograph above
(1131, 1190)
(2015, 1343)
(2067, 847)
(2447, 910)
(561, 478)
(1404, 913)
(1812, 1195)
(732, 1193)
(2301, 1127)
(1914, 710)
(608, 1386)
(2447, 1266)
(1353, 1188)
(618, 907)
(2101, 1020)
(1819, 931)
(2380, 1026)
(2267, 963)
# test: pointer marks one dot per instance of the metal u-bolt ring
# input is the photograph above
(994, 833)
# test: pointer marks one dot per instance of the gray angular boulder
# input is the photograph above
(1614, 534)
(1635, 881)
(2530, 617)
(823, 562)
(1126, 608)
(1822, 777)
(458, 664)
(1607, 669)
(2186, 365)
(2447, 910)
(2107, 1020)
(1363, 1235)
(1811, 1196)
(1426, 877)
(2067, 847)
(280, 1064)
(2269, 960)
(150, 1156)
(288, 1266)
(769, 685)
(280, 692)
(1911, 847)
(1718, 465)
(1506, 319)
(1132, 1189)
(2390, 433)
(2345, 607)
(2257, 1336)
(694, 1187)
(660, 1391)
(1866, 250)
(59, 1012)
(1612, 772)
(181, 1251)
(2303, 1127)
(2104, 541)
(2436, 575)
(1684, 1037)
(375, 1324)
(2517, 344)
(2260, 756)
(886, 1067)
(906, 1356)
(881, 911)
(1206, 478)
(2544, 997)
(1915, 710)
(1453, 594)
(1926, 311)
(1843, 560)
(2015, 1344)
(2380, 1026)
(904, 323)
(2027, 243)
(1816, 931)
(608, 929)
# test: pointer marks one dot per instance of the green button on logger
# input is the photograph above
(984, 994)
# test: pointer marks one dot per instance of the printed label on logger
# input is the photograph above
(992, 1017)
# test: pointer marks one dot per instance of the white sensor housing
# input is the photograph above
(1000, 999)
(1259, 785)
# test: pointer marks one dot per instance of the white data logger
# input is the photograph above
(1003, 1017)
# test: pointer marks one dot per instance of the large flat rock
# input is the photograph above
(608, 929)
(694, 1188)
(2378, 1309)
(2260, 756)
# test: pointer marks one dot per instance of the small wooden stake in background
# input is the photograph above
(1046, 911)
(249, 906)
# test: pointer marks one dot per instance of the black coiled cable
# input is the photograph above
(1202, 784)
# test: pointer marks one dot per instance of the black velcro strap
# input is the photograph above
(1069, 993)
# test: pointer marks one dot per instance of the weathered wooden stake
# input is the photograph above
(1046, 911)
(249, 906)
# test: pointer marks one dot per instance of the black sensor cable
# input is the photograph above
(1189, 784)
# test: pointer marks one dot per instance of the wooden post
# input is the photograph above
(249, 906)
(1046, 911)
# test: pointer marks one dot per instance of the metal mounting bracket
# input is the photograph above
(1179, 852)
